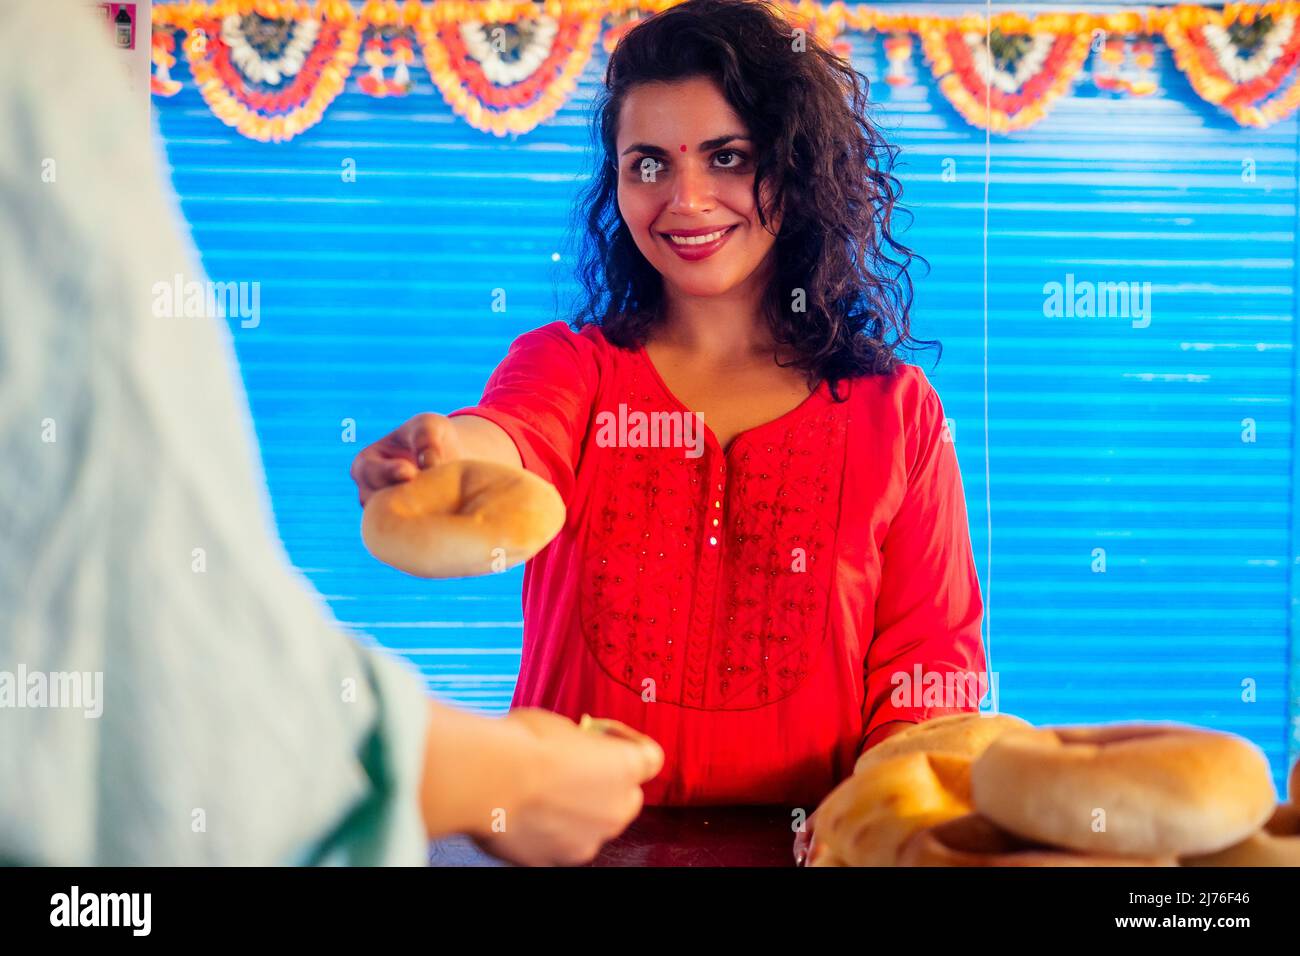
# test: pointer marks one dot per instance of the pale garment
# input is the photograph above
(239, 724)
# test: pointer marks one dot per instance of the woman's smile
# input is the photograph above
(695, 244)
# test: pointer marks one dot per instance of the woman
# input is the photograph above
(219, 716)
(757, 600)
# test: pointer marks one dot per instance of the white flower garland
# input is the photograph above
(260, 70)
(538, 40)
(1240, 69)
(1030, 62)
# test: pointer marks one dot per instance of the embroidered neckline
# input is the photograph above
(817, 396)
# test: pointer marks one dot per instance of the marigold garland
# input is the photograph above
(981, 103)
(294, 109)
(1248, 102)
(514, 95)
(617, 28)
(392, 28)
(520, 107)
(162, 55)
(1110, 73)
(898, 53)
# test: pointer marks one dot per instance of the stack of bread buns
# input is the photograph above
(974, 790)
(1276, 844)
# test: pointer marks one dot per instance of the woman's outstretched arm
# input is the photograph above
(426, 440)
(533, 414)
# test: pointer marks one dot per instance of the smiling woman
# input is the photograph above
(690, 206)
(746, 604)
(721, 116)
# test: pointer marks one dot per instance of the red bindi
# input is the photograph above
(683, 147)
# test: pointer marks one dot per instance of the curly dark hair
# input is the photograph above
(829, 169)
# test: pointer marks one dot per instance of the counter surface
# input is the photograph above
(672, 836)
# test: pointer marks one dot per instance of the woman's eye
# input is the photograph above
(647, 167)
(733, 158)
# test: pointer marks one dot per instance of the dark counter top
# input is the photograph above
(672, 836)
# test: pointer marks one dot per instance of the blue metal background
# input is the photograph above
(376, 304)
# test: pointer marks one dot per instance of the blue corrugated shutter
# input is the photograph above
(377, 303)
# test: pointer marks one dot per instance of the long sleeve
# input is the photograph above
(928, 612)
(219, 716)
(541, 395)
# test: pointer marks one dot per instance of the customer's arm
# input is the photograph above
(209, 709)
(531, 786)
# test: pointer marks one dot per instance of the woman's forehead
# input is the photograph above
(692, 111)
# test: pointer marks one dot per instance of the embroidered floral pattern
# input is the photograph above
(710, 577)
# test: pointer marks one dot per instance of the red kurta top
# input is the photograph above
(746, 609)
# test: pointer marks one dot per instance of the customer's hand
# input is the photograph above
(577, 790)
(426, 440)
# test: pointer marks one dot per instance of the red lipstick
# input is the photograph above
(695, 250)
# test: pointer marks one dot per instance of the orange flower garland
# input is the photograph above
(1111, 76)
(517, 108)
(1144, 56)
(898, 52)
(950, 58)
(162, 45)
(387, 19)
(303, 103)
(619, 24)
(517, 105)
(1106, 75)
(375, 83)
(1245, 101)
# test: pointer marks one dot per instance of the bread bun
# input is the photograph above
(1277, 844)
(974, 840)
(963, 734)
(1285, 820)
(864, 820)
(1149, 790)
(462, 518)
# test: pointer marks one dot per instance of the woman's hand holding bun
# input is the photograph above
(448, 497)
(462, 518)
(424, 441)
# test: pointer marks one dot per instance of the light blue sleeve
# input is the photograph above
(200, 704)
